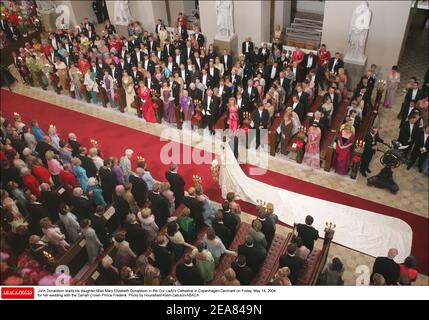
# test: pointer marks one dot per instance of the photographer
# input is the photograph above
(371, 140)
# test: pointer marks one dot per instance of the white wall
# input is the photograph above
(78, 11)
(385, 36)
(310, 6)
(282, 13)
(208, 19)
(176, 6)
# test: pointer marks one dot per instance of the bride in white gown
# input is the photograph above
(369, 232)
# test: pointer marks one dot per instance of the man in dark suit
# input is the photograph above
(177, 183)
(260, 119)
(255, 256)
(185, 74)
(168, 48)
(268, 228)
(421, 147)
(307, 233)
(284, 83)
(137, 237)
(229, 219)
(363, 90)
(122, 209)
(90, 33)
(99, 226)
(87, 163)
(139, 187)
(335, 63)
(51, 200)
(298, 107)
(13, 33)
(250, 96)
(354, 117)
(129, 63)
(81, 206)
(414, 93)
(334, 97)
(107, 180)
(116, 73)
(206, 79)
(263, 54)
(188, 51)
(194, 93)
(188, 274)
(247, 48)
(175, 88)
(160, 54)
(310, 62)
(137, 76)
(163, 255)
(303, 97)
(36, 211)
(271, 73)
(222, 231)
(371, 141)
(133, 43)
(152, 82)
(148, 64)
(214, 74)
(137, 55)
(236, 79)
(199, 37)
(210, 109)
(68, 60)
(195, 206)
(151, 44)
(298, 74)
(408, 132)
(226, 60)
(224, 93)
(243, 272)
(387, 267)
(407, 110)
(159, 205)
(291, 261)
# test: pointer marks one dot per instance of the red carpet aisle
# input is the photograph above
(114, 139)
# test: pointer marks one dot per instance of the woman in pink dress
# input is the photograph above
(312, 148)
(343, 150)
(147, 104)
(233, 119)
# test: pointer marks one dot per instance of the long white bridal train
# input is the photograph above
(365, 231)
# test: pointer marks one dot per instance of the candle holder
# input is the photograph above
(359, 146)
(94, 142)
(329, 232)
(49, 257)
(261, 203)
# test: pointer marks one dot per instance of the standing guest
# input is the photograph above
(229, 278)
(242, 270)
(301, 251)
(125, 164)
(70, 223)
(343, 151)
(159, 205)
(215, 245)
(147, 221)
(108, 180)
(146, 103)
(408, 132)
(222, 231)
(286, 127)
(80, 173)
(371, 141)
(187, 107)
(109, 87)
(93, 155)
(61, 71)
(53, 234)
(67, 178)
(257, 235)
(294, 263)
(99, 225)
(312, 148)
(95, 193)
(187, 226)
(128, 85)
(408, 269)
(93, 245)
(332, 275)
(117, 170)
(169, 106)
(91, 85)
(393, 80)
(74, 144)
(204, 262)
(188, 274)
(54, 167)
(137, 237)
(387, 267)
(139, 187)
(55, 139)
(163, 255)
(233, 117)
(177, 183)
(420, 149)
(307, 233)
(255, 256)
(37, 131)
(268, 228)
(124, 255)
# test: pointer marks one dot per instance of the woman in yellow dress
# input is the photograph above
(128, 85)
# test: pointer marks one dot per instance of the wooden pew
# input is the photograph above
(227, 259)
(316, 261)
(271, 264)
(75, 257)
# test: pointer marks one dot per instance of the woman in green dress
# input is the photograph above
(204, 262)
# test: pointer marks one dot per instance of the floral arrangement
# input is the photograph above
(215, 168)
(23, 270)
(299, 151)
(356, 160)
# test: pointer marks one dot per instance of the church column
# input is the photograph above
(282, 13)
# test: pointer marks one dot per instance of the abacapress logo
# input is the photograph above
(17, 293)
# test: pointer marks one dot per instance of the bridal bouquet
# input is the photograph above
(215, 170)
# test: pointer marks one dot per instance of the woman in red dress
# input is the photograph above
(83, 64)
(147, 104)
